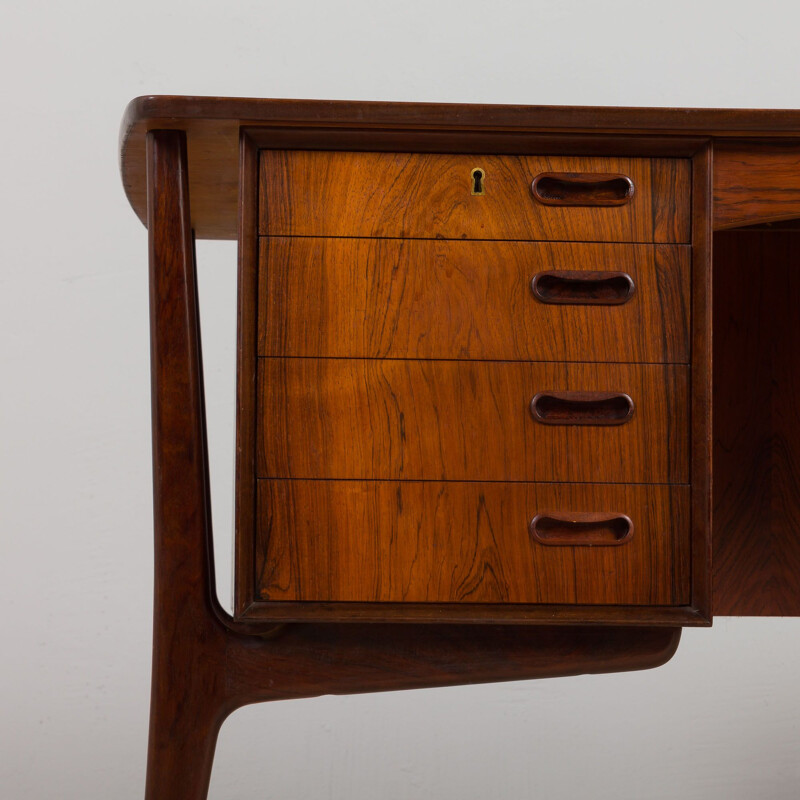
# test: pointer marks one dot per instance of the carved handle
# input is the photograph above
(581, 528)
(583, 288)
(582, 189)
(582, 408)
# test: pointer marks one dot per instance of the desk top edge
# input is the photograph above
(214, 122)
(610, 119)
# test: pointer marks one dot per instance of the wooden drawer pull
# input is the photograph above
(583, 288)
(582, 408)
(582, 189)
(581, 528)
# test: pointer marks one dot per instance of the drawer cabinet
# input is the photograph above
(476, 386)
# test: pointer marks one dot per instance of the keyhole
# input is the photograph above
(477, 181)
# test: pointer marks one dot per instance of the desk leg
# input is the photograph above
(205, 664)
(187, 702)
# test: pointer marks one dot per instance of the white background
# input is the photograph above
(719, 721)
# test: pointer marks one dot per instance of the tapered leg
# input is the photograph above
(184, 724)
(188, 701)
(205, 664)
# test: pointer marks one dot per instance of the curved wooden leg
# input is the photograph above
(188, 700)
(184, 723)
(204, 664)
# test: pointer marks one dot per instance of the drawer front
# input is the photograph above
(367, 541)
(413, 195)
(472, 420)
(378, 298)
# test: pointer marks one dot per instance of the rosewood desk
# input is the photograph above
(477, 373)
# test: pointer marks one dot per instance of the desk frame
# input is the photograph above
(206, 664)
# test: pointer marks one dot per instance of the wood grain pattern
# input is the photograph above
(428, 195)
(728, 122)
(582, 408)
(266, 613)
(701, 431)
(213, 172)
(581, 528)
(246, 373)
(456, 299)
(205, 665)
(212, 125)
(757, 423)
(578, 189)
(756, 182)
(446, 420)
(464, 542)
(576, 287)
(183, 730)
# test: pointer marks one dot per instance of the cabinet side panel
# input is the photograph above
(701, 403)
(246, 368)
(757, 423)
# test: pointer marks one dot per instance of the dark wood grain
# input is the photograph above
(407, 137)
(581, 528)
(213, 170)
(582, 189)
(582, 408)
(428, 195)
(702, 374)
(736, 122)
(205, 665)
(455, 299)
(212, 125)
(446, 420)
(313, 659)
(756, 182)
(185, 712)
(588, 288)
(328, 541)
(757, 423)
(267, 613)
(246, 373)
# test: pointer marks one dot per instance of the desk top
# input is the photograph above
(755, 142)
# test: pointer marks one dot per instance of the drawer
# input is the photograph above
(430, 196)
(472, 420)
(433, 542)
(376, 298)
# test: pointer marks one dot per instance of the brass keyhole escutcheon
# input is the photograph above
(478, 181)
